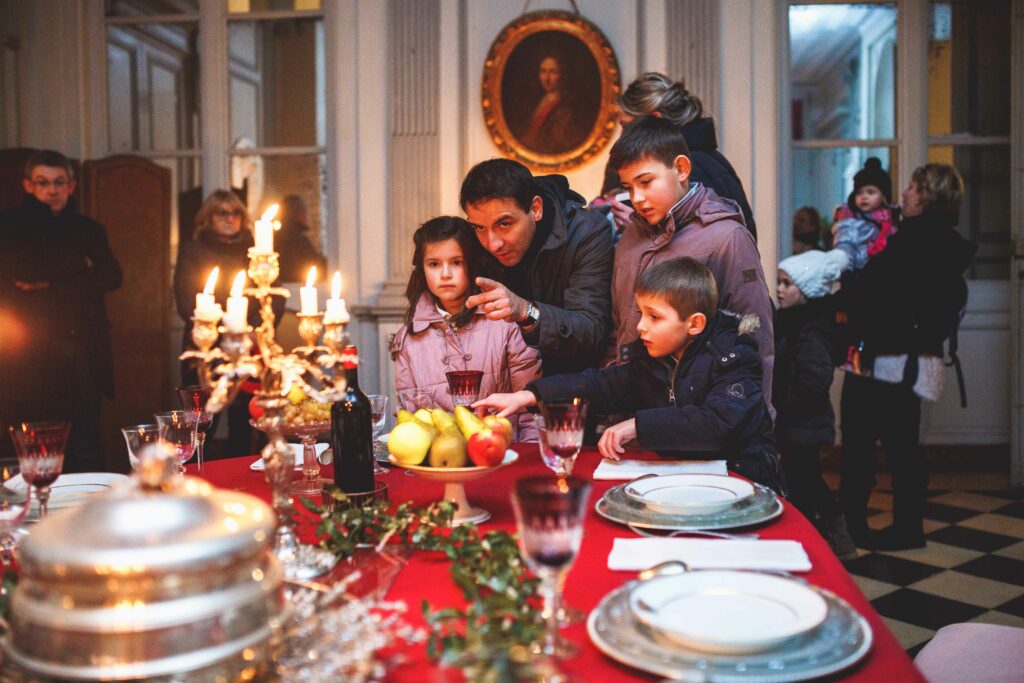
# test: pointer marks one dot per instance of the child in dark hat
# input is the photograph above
(862, 226)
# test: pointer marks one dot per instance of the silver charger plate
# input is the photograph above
(616, 506)
(838, 643)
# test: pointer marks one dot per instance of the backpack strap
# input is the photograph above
(954, 359)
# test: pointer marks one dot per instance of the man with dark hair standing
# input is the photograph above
(55, 268)
(555, 261)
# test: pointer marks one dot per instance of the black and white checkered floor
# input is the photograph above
(971, 570)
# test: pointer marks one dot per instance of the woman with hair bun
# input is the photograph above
(657, 94)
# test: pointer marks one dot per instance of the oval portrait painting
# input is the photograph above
(549, 90)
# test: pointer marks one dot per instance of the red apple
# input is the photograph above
(500, 425)
(486, 448)
(255, 409)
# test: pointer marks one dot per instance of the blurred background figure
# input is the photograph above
(293, 242)
(222, 239)
(807, 230)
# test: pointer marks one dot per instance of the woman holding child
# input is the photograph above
(901, 309)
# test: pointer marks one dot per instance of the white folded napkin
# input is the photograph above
(257, 465)
(631, 469)
(635, 554)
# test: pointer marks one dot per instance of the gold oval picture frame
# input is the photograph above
(550, 90)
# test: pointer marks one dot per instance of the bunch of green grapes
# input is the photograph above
(307, 411)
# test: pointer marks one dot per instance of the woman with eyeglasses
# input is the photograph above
(222, 239)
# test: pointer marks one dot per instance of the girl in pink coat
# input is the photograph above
(440, 334)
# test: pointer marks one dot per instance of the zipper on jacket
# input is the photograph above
(672, 383)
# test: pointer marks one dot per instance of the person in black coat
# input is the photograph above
(55, 269)
(805, 355)
(222, 239)
(901, 309)
(552, 258)
(692, 379)
(293, 244)
(657, 94)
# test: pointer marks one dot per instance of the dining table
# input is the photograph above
(425, 576)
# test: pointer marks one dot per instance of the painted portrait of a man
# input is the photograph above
(549, 89)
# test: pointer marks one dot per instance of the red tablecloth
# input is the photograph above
(426, 575)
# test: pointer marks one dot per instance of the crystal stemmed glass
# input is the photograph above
(136, 437)
(549, 516)
(14, 504)
(178, 429)
(556, 462)
(562, 434)
(40, 447)
(414, 399)
(378, 406)
(193, 398)
(464, 386)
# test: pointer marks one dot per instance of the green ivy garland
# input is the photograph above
(490, 637)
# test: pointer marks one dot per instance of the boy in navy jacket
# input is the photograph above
(692, 379)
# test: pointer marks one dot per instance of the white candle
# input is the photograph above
(206, 305)
(307, 294)
(265, 231)
(336, 312)
(237, 315)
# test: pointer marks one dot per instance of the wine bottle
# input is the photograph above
(352, 433)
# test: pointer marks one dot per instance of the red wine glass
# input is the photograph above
(40, 447)
(464, 386)
(193, 400)
(561, 433)
(549, 516)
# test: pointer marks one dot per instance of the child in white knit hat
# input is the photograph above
(805, 339)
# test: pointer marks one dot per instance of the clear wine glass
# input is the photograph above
(378, 408)
(464, 386)
(549, 516)
(415, 398)
(178, 430)
(136, 437)
(562, 434)
(193, 399)
(14, 504)
(40, 447)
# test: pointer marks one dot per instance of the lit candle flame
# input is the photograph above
(269, 214)
(311, 278)
(211, 281)
(336, 285)
(239, 284)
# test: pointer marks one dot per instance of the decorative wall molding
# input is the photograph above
(692, 38)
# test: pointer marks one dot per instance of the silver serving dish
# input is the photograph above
(161, 578)
(617, 506)
(839, 642)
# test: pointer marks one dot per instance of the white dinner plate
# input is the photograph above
(257, 465)
(70, 489)
(688, 494)
(727, 612)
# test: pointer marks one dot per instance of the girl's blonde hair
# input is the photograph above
(656, 93)
(216, 200)
(941, 184)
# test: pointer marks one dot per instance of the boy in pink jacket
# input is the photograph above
(440, 334)
(674, 218)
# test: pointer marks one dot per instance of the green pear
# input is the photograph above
(449, 449)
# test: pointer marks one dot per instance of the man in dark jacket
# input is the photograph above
(55, 268)
(555, 260)
(693, 380)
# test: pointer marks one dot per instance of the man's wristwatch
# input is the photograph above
(532, 316)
